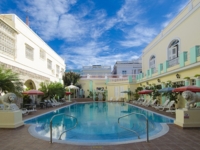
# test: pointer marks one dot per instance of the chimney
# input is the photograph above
(27, 20)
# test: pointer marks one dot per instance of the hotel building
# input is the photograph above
(174, 55)
(23, 51)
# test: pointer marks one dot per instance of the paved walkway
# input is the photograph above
(176, 139)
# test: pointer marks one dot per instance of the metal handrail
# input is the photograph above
(70, 128)
(63, 131)
(147, 125)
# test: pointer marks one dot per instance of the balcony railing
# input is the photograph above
(154, 70)
(198, 51)
(111, 77)
(173, 62)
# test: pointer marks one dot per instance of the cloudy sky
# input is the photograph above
(96, 32)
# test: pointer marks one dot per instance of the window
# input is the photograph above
(29, 52)
(123, 71)
(173, 50)
(42, 54)
(134, 71)
(179, 83)
(152, 62)
(49, 64)
(62, 71)
(57, 70)
(193, 82)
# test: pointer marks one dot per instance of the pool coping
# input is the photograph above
(165, 129)
(32, 131)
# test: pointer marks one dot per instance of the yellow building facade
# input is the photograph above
(174, 55)
(114, 88)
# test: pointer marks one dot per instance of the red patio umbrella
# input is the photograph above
(33, 92)
(68, 93)
(145, 92)
(187, 88)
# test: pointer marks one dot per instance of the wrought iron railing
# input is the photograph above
(173, 62)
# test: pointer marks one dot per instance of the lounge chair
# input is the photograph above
(169, 106)
(143, 102)
(138, 101)
(162, 105)
(151, 103)
(56, 102)
(27, 111)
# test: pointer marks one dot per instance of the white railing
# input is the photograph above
(96, 67)
(173, 62)
(111, 77)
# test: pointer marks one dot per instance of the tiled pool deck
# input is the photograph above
(176, 139)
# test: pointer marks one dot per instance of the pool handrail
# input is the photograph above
(63, 131)
(147, 124)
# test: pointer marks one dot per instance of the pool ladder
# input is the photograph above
(147, 125)
(63, 131)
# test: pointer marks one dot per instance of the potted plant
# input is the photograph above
(187, 78)
(197, 76)
(90, 94)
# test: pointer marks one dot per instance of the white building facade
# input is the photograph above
(96, 70)
(23, 51)
(127, 67)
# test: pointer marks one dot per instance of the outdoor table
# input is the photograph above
(43, 105)
(29, 106)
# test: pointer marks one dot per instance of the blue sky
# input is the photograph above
(96, 32)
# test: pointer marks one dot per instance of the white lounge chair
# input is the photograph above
(151, 103)
(162, 105)
(169, 106)
(27, 111)
(143, 102)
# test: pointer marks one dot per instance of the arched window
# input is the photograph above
(173, 49)
(152, 62)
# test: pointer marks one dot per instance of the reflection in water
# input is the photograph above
(98, 121)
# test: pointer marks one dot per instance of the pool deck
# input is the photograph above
(176, 139)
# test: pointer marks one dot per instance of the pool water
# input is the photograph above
(98, 122)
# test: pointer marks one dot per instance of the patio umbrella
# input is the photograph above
(145, 92)
(166, 90)
(187, 88)
(68, 93)
(33, 92)
(71, 87)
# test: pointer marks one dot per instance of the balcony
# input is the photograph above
(111, 77)
(154, 70)
(173, 62)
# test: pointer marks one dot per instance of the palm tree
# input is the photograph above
(10, 81)
(52, 89)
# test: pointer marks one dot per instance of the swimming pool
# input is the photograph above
(98, 124)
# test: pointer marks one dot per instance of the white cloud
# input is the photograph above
(76, 60)
(138, 36)
(171, 15)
